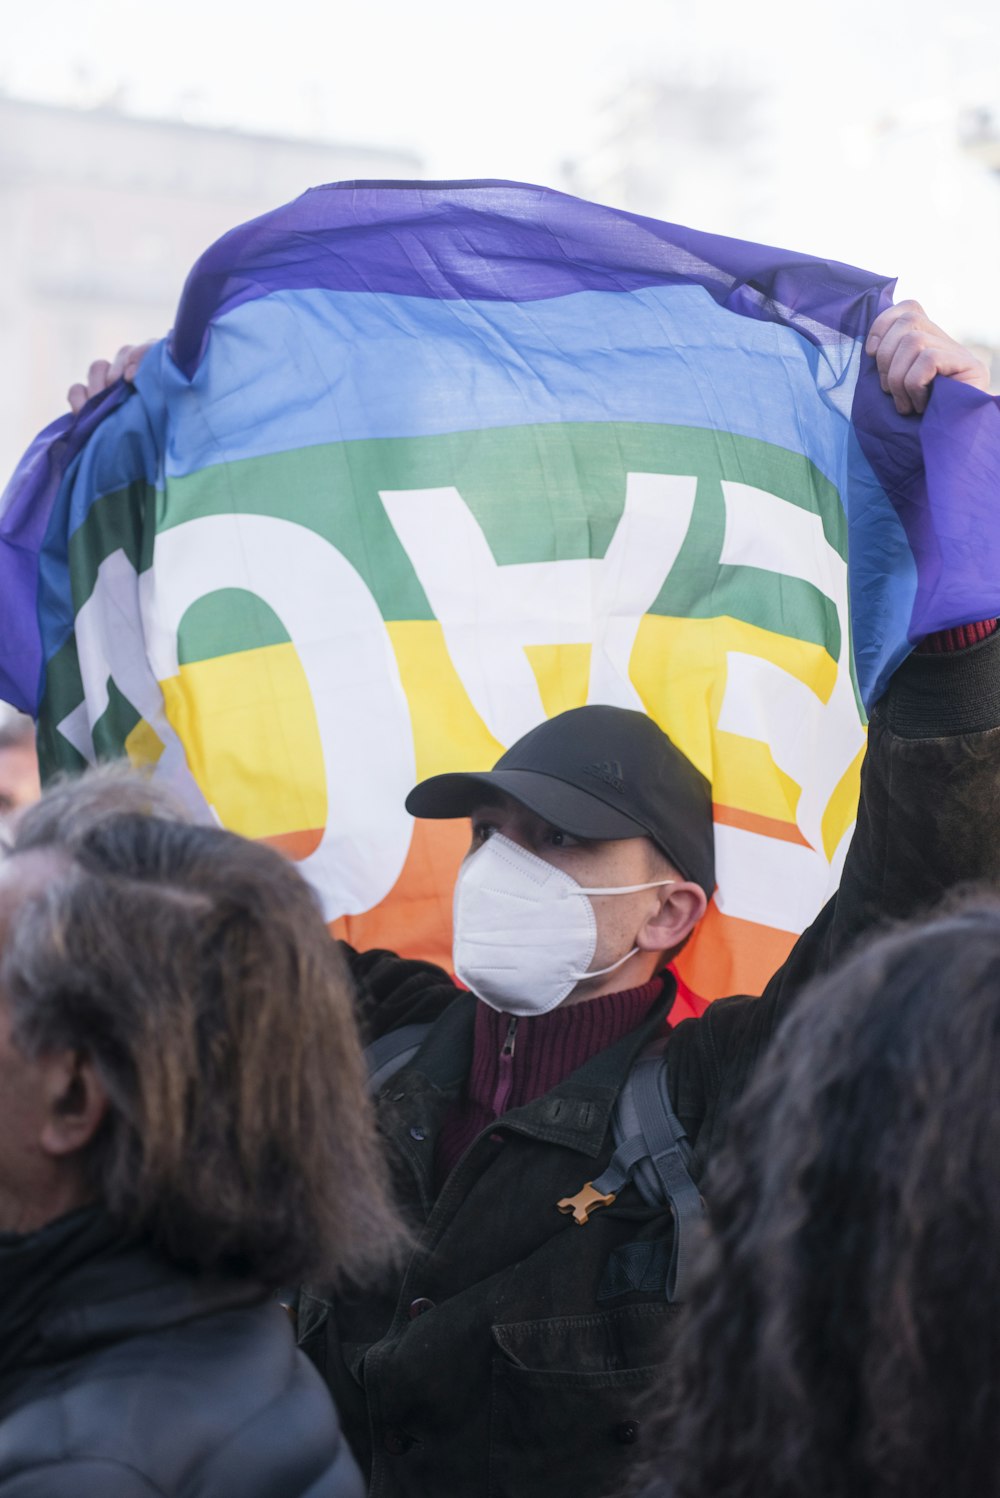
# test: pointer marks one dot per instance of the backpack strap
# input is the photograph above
(390, 1053)
(652, 1150)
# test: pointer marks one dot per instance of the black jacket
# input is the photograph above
(121, 1376)
(512, 1357)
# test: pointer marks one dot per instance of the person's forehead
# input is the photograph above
(18, 759)
(19, 780)
(25, 874)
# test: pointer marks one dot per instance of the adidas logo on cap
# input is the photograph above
(608, 770)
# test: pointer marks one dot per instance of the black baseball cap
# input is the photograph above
(598, 773)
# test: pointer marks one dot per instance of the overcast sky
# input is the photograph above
(514, 90)
(478, 90)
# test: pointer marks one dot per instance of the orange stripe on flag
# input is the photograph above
(296, 845)
(751, 821)
(727, 955)
(415, 916)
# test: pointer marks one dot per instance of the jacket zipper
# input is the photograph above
(505, 1072)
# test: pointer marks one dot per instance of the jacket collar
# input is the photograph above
(445, 1053)
(32, 1264)
(78, 1283)
(577, 1112)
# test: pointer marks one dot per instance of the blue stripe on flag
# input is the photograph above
(357, 366)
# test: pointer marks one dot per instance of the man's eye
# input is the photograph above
(558, 839)
(482, 831)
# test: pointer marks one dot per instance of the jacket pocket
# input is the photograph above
(570, 1399)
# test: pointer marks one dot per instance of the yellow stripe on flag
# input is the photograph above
(249, 731)
(842, 808)
(448, 733)
(143, 745)
(678, 667)
(562, 673)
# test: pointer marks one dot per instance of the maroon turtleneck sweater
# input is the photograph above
(516, 1061)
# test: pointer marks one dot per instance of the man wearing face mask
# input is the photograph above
(510, 1357)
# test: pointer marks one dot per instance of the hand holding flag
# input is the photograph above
(103, 373)
(910, 352)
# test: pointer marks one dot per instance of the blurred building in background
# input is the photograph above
(101, 218)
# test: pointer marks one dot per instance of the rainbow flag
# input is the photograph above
(423, 462)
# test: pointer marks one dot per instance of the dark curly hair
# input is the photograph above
(843, 1340)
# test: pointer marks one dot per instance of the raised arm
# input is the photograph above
(929, 815)
(929, 820)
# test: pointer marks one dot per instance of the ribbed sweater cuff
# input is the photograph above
(944, 641)
(937, 695)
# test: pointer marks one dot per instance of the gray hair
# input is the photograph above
(195, 970)
(75, 804)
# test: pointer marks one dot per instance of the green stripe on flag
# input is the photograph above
(540, 493)
(225, 622)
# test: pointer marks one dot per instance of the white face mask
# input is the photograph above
(525, 932)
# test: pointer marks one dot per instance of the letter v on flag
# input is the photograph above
(421, 464)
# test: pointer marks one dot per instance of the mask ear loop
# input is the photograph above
(599, 972)
(623, 889)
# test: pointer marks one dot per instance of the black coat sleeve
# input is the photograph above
(928, 821)
(393, 991)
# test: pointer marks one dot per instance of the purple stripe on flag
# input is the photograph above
(25, 510)
(503, 241)
(955, 533)
(941, 472)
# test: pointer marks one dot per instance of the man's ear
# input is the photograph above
(681, 908)
(76, 1103)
